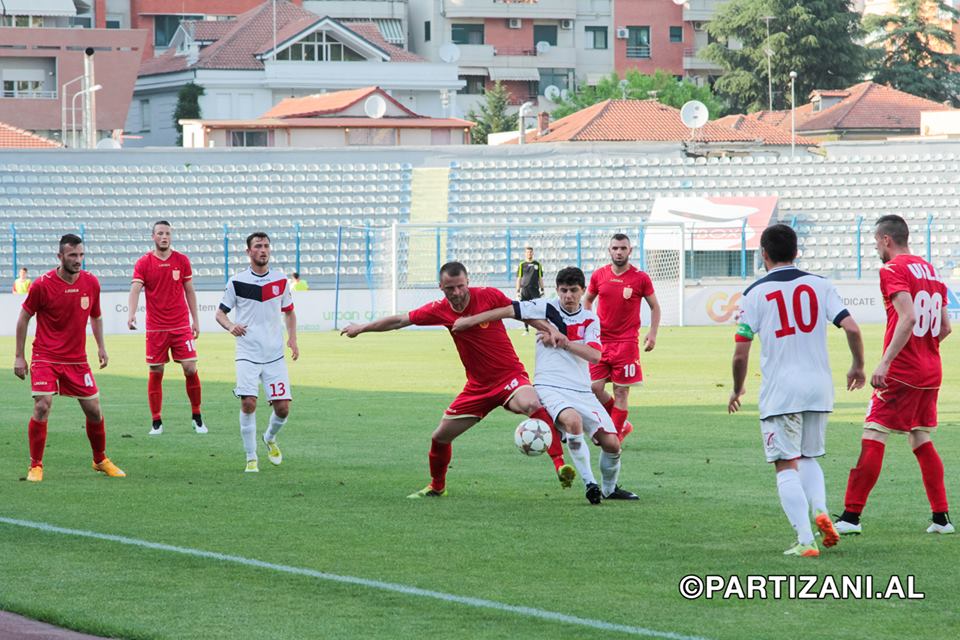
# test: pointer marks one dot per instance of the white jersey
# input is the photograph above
(557, 367)
(789, 309)
(259, 301)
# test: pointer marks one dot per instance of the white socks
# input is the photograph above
(276, 423)
(609, 471)
(795, 505)
(811, 476)
(580, 455)
(248, 431)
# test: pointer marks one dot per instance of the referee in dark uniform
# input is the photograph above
(529, 279)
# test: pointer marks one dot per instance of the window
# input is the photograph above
(248, 138)
(165, 26)
(372, 136)
(22, 88)
(676, 34)
(560, 78)
(596, 38)
(467, 34)
(319, 47)
(113, 24)
(475, 85)
(638, 42)
(426, 31)
(144, 115)
(545, 33)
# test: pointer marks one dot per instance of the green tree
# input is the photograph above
(661, 85)
(819, 39)
(492, 116)
(188, 107)
(915, 52)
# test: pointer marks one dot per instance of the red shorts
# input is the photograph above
(901, 407)
(619, 363)
(477, 402)
(178, 342)
(69, 380)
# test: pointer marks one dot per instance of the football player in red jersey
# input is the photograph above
(907, 380)
(495, 375)
(619, 288)
(63, 300)
(167, 278)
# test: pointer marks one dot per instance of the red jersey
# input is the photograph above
(618, 300)
(485, 350)
(163, 283)
(918, 363)
(62, 311)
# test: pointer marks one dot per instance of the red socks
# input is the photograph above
(440, 453)
(608, 405)
(865, 474)
(155, 393)
(37, 435)
(931, 468)
(98, 439)
(193, 392)
(556, 446)
(619, 416)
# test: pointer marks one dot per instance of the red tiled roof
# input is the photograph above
(14, 138)
(328, 103)
(645, 121)
(866, 106)
(241, 40)
(760, 130)
(208, 30)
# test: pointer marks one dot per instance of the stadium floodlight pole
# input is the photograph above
(63, 108)
(523, 128)
(73, 112)
(793, 112)
(767, 50)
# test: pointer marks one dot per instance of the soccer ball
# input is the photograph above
(533, 437)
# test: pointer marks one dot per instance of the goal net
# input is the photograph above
(411, 256)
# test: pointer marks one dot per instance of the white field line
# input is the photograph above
(529, 612)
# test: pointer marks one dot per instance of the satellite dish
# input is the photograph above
(542, 47)
(694, 114)
(552, 93)
(449, 52)
(564, 95)
(375, 107)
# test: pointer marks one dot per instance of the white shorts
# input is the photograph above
(273, 375)
(595, 417)
(794, 435)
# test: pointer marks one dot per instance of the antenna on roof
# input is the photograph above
(375, 107)
(694, 115)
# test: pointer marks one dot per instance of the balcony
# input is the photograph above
(699, 10)
(545, 9)
(691, 62)
(29, 95)
(638, 51)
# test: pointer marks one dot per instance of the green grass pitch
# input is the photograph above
(356, 445)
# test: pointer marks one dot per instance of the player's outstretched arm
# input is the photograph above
(133, 301)
(20, 367)
(855, 377)
(225, 322)
(390, 323)
(651, 340)
(290, 319)
(588, 300)
(96, 327)
(580, 350)
(741, 358)
(906, 318)
(492, 315)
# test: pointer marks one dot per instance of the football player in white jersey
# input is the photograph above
(260, 296)
(562, 378)
(789, 310)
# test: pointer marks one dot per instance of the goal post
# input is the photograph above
(493, 252)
